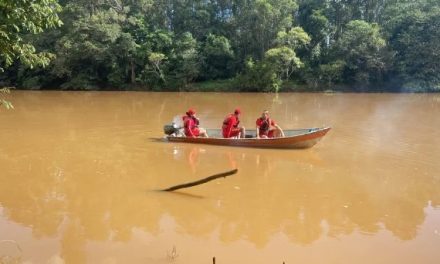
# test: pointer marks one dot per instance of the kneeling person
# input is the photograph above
(231, 128)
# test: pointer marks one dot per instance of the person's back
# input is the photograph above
(230, 126)
(191, 125)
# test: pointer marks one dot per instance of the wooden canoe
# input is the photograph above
(294, 139)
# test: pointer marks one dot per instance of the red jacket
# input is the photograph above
(190, 125)
(230, 126)
(264, 125)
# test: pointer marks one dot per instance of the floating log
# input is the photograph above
(205, 180)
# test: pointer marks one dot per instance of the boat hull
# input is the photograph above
(294, 139)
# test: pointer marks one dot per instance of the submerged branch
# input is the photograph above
(205, 180)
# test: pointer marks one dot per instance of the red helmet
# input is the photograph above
(191, 111)
(237, 111)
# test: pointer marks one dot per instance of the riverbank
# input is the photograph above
(231, 85)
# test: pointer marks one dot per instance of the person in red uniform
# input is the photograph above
(230, 126)
(267, 128)
(191, 125)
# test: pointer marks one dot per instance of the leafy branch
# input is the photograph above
(3, 91)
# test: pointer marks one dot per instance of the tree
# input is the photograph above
(156, 59)
(216, 56)
(115, 43)
(185, 61)
(94, 51)
(256, 24)
(157, 48)
(294, 38)
(18, 18)
(283, 57)
(415, 37)
(317, 27)
(362, 49)
(331, 73)
(258, 76)
(284, 60)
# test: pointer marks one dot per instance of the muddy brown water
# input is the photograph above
(78, 172)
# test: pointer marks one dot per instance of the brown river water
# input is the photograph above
(79, 170)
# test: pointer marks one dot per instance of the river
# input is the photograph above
(79, 173)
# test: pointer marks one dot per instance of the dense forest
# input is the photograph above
(221, 45)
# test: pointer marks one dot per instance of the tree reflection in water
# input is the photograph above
(96, 191)
(84, 207)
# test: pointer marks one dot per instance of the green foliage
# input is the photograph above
(417, 42)
(97, 41)
(294, 38)
(283, 60)
(216, 56)
(5, 103)
(185, 61)
(361, 47)
(317, 27)
(258, 77)
(332, 72)
(172, 45)
(256, 24)
(19, 17)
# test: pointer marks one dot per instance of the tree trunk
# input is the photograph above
(210, 178)
(133, 75)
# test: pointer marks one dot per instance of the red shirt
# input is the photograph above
(230, 125)
(190, 125)
(264, 125)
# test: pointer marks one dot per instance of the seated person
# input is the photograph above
(191, 125)
(230, 126)
(267, 128)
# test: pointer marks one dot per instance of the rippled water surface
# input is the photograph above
(79, 170)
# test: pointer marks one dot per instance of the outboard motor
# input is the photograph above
(175, 128)
(169, 129)
(172, 130)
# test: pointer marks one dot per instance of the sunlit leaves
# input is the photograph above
(21, 17)
(294, 38)
(284, 59)
(5, 103)
(156, 58)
